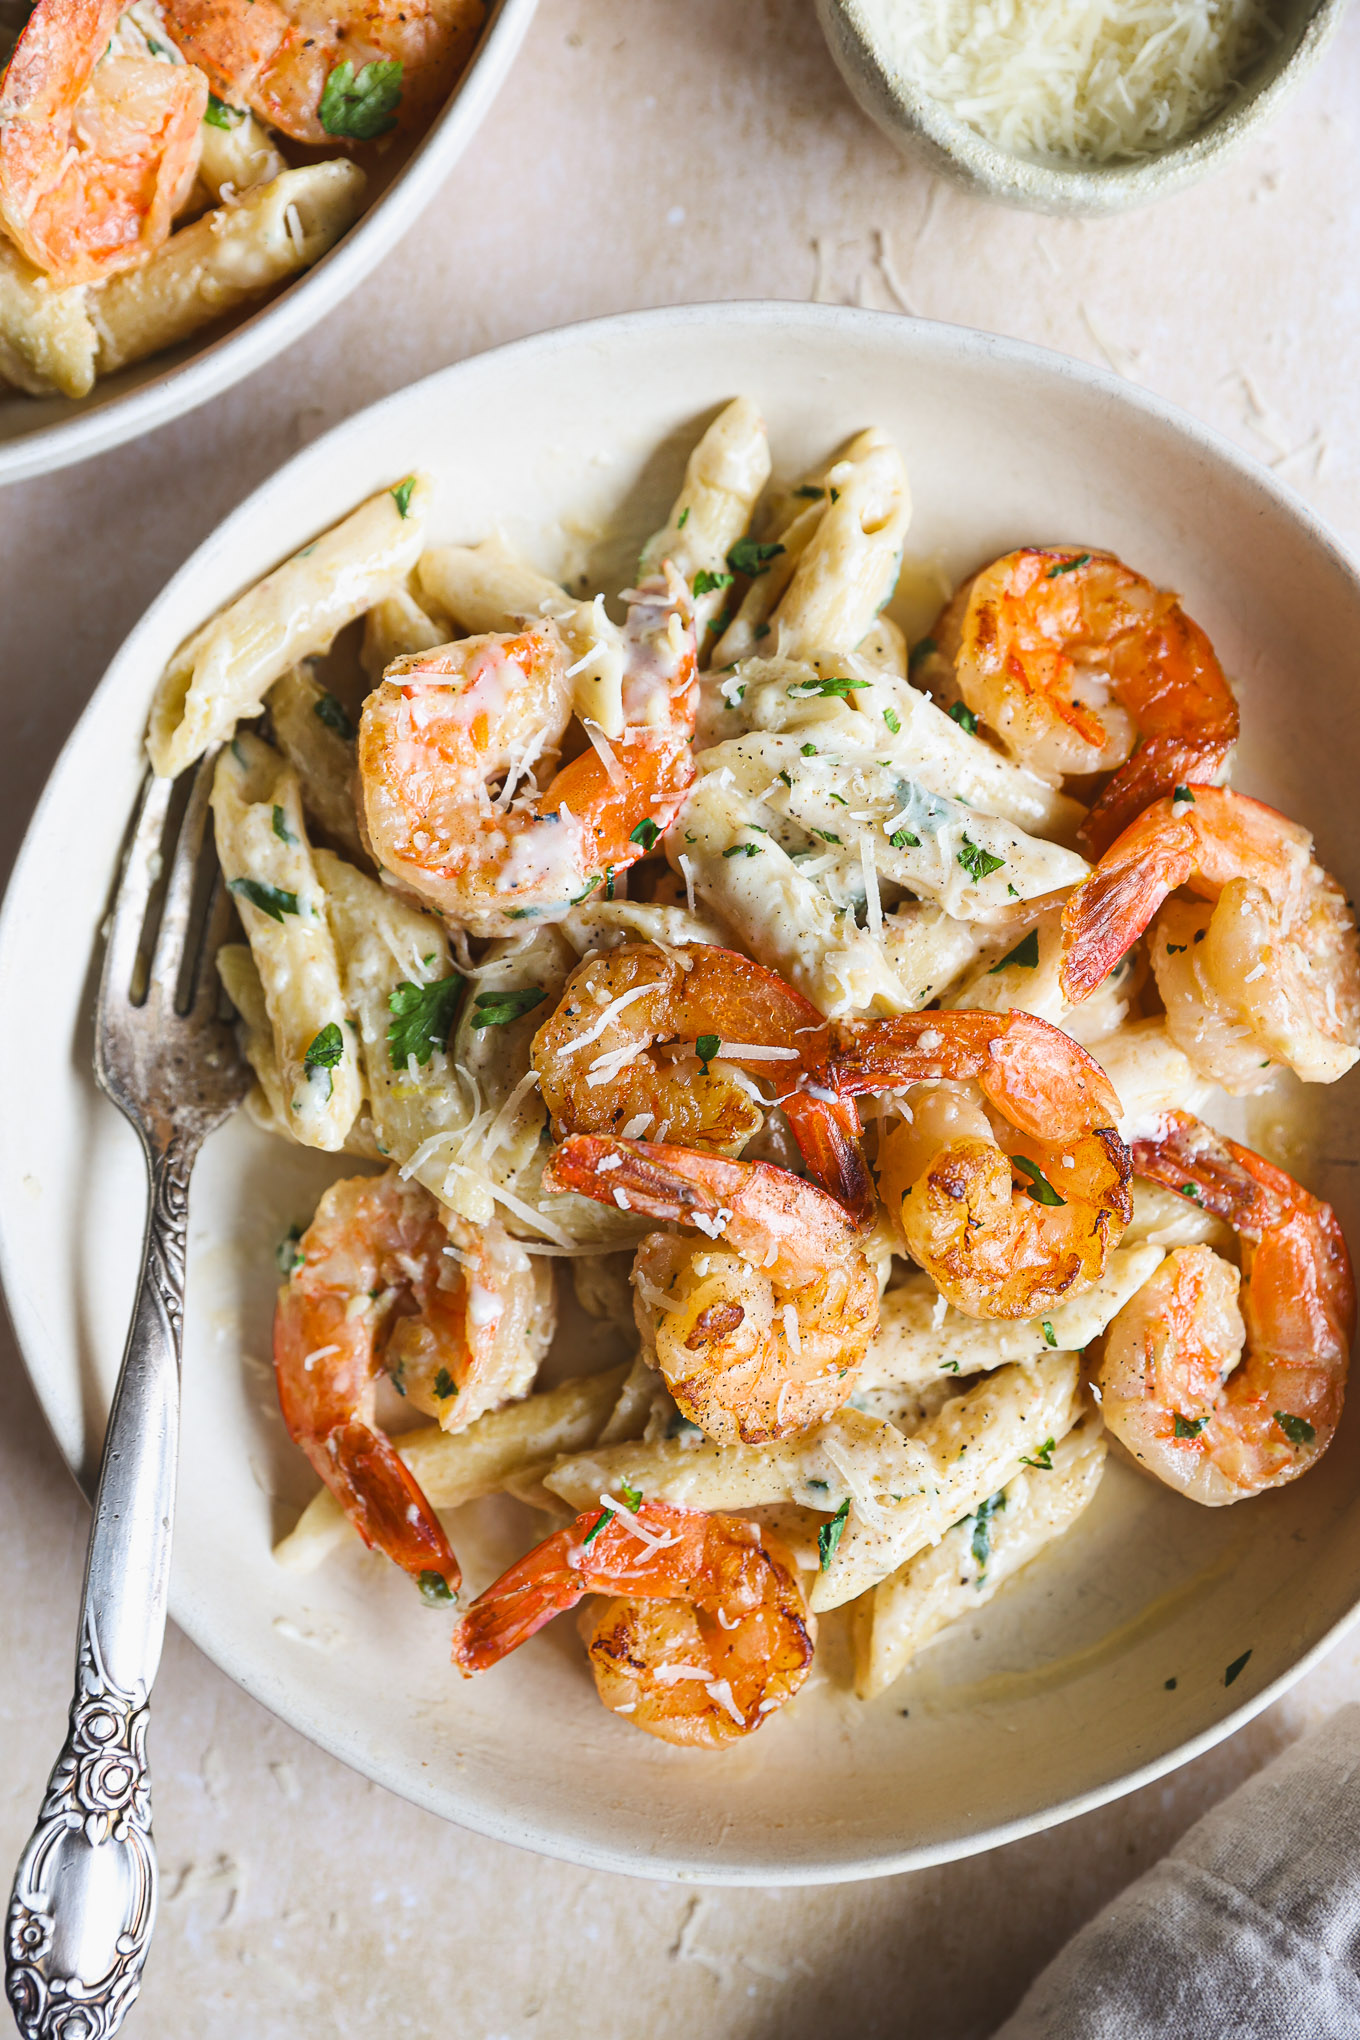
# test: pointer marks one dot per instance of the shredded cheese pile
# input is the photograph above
(1090, 80)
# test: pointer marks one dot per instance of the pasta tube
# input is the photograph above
(850, 564)
(897, 1618)
(225, 670)
(241, 982)
(316, 737)
(393, 628)
(47, 339)
(237, 157)
(224, 259)
(267, 864)
(971, 1449)
(723, 479)
(453, 1468)
(921, 1340)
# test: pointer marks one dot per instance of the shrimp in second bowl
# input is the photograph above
(446, 724)
(98, 147)
(1004, 1230)
(1081, 665)
(324, 71)
(1267, 973)
(707, 1632)
(459, 1317)
(719, 1008)
(759, 1331)
(1217, 1407)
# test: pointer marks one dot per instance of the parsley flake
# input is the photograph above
(445, 1385)
(324, 1051)
(683, 519)
(742, 850)
(826, 836)
(1042, 1461)
(401, 495)
(434, 1589)
(330, 712)
(891, 719)
(1068, 566)
(706, 1047)
(361, 105)
(422, 1017)
(829, 689)
(267, 899)
(1050, 1336)
(902, 839)
(1025, 955)
(281, 828)
(217, 113)
(1238, 1665)
(287, 1254)
(981, 1543)
(921, 652)
(1039, 1187)
(976, 862)
(964, 717)
(1183, 793)
(1297, 1430)
(1189, 1427)
(631, 1495)
(749, 558)
(605, 1516)
(645, 833)
(498, 1009)
(706, 582)
(830, 1534)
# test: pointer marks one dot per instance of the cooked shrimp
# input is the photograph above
(445, 724)
(1073, 659)
(1215, 1406)
(757, 1337)
(711, 1633)
(282, 60)
(458, 1317)
(1271, 975)
(619, 1006)
(1004, 1231)
(97, 148)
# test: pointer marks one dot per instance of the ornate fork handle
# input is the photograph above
(84, 1898)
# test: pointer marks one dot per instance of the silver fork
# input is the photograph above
(84, 1898)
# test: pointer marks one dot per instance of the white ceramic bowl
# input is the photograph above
(1058, 1697)
(41, 434)
(922, 126)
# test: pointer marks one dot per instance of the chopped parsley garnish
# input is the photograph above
(981, 1545)
(605, 1516)
(964, 717)
(830, 1534)
(749, 558)
(1050, 1336)
(836, 685)
(422, 1017)
(706, 1047)
(719, 625)
(1191, 1190)
(683, 519)
(1042, 1461)
(1200, 934)
(287, 1253)
(435, 1589)
(631, 1495)
(811, 491)
(920, 652)
(498, 1009)
(324, 1051)
(1176, 948)
(1297, 1430)
(949, 1366)
(645, 833)
(361, 105)
(826, 836)
(706, 582)
(217, 113)
(281, 828)
(761, 630)
(1025, 955)
(586, 890)
(1068, 566)
(1183, 793)
(786, 780)
(269, 899)
(902, 839)
(890, 717)
(807, 751)
(445, 1385)
(742, 850)
(1038, 1187)
(1238, 1665)
(1189, 1427)
(401, 495)
(334, 717)
(976, 862)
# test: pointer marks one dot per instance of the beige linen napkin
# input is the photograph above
(1248, 1930)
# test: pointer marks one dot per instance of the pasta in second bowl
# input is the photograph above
(1131, 1642)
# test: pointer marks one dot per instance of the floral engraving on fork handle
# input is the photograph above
(97, 1797)
(166, 1239)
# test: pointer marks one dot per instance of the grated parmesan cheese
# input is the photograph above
(1081, 80)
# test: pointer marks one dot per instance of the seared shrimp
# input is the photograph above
(709, 1634)
(1270, 975)
(724, 1009)
(759, 1333)
(97, 148)
(458, 1317)
(1004, 1231)
(445, 724)
(1074, 659)
(328, 71)
(1215, 1406)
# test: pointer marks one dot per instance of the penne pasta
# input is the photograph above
(393, 628)
(225, 671)
(268, 866)
(47, 339)
(723, 478)
(237, 156)
(895, 1620)
(849, 566)
(317, 738)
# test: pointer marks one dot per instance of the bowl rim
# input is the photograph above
(192, 1612)
(913, 117)
(284, 319)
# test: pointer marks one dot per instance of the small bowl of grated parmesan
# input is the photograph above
(1073, 106)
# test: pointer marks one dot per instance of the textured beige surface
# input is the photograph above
(639, 155)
